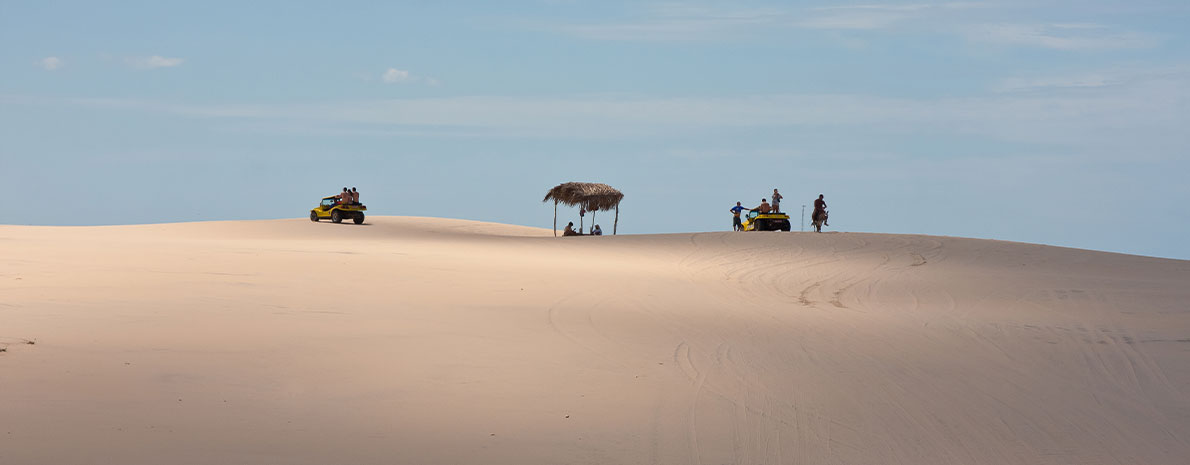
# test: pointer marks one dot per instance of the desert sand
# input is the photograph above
(432, 341)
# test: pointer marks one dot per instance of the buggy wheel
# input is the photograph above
(336, 217)
(314, 217)
(359, 218)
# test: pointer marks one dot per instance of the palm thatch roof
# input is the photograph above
(589, 195)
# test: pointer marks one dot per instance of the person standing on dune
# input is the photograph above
(736, 224)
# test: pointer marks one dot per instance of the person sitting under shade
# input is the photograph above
(596, 231)
(570, 230)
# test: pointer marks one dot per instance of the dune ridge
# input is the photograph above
(422, 340)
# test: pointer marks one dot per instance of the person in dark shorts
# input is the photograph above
(819, 209)
(777, 200)
(736, 224)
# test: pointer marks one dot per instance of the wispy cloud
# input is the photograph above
(1148, 106)
(906, 7)
(1056, 82)
(1060, 36)
(1093, 79)
(51, 63)
(153, 62)
(400, 76)
(676, 22)
(876, 16)
(393, 75)
(853, 19)
(683, 22)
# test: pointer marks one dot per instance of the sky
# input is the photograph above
(1053, 122)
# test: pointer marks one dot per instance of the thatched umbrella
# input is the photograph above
(589, 195)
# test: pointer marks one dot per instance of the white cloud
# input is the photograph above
(909, 7)
(1095, 79)
(51, 63)
(393, 75)
(877, 16)
(1150, 107)
(681, 22)
(1057, 82)
(859, 20)
(396, 76)
(912, 7)
(677, 22)
(667, 30)
(153, 62)
(1062, 36)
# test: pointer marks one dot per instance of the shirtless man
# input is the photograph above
(763, 207)
(354, 196)
(819, 209)
(344, 197)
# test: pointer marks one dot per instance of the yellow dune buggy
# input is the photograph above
(330, 208)
(757, 221)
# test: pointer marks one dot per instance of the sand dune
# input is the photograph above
(425, 341)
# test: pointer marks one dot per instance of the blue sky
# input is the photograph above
(1056, 122)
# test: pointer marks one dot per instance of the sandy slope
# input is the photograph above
(422, 341)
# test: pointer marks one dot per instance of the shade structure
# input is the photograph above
(592, 196)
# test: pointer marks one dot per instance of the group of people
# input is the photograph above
(775, 207)
(569, 231)
(348, 197)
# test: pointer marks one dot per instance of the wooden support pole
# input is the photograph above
(555, 217)
(617, 223)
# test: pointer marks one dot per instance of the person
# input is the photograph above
(596, 231)
(736, 224)
(763, 207)
(819, 209)
(344, 197)
(777, 200)
(569, 230)
(354, 196)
